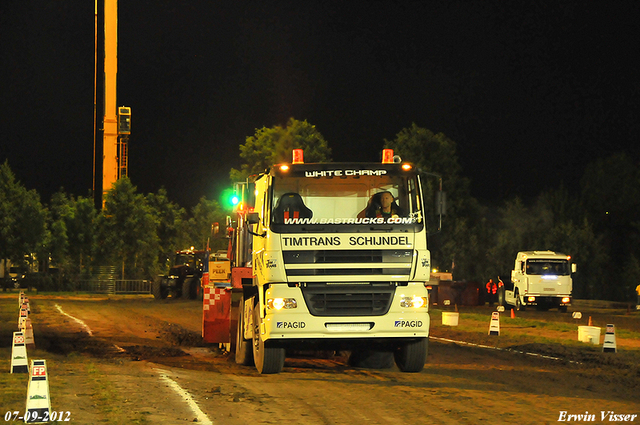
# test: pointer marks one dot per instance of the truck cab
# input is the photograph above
(541, 279)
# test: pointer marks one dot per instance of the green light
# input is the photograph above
(235, 200)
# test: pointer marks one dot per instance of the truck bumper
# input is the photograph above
(555, 301)
(298, 323)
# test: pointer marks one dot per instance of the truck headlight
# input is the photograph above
(280, 303)
(414, 301)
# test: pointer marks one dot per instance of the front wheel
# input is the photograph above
(411, 356)
(268, 359)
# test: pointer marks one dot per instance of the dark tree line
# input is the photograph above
(135, 233)
(598, 225)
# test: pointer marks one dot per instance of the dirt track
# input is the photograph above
(141, 350)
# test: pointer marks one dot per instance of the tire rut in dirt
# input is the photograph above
(68, 343)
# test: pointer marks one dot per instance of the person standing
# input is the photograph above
(492, 290)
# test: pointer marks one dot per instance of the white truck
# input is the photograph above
(329, 256)
(541, 279)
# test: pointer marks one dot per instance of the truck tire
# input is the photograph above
(411, 356)
(244, 347)
(501, 297)
(190, 288)
(267, 358)
(371, 359)
(519, 305)
(159, 292)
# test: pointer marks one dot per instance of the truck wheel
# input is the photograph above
(371, 359)
(190, 288)
(519, 305)
(159, 293)
(244, 347)
(268, 359)
(411, 356)
(501, 297)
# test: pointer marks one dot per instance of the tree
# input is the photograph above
(128, 231)
(610, 199)
(204, 215)
(270, 146)
(171, 221)
(465, 231)
(22, 219)
(72, 224)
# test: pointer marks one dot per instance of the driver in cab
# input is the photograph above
(382, 205)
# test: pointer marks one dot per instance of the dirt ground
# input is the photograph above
(122, 359)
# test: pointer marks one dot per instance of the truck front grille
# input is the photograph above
(368, 299)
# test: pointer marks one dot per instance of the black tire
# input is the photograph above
(371, 359)
(501, 297)
(190, 288)
(411, 356)
(267, 358)
(519, 305)
(244, 347)
(159, 292)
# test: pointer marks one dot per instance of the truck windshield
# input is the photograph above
(548, 267)
(356, 200)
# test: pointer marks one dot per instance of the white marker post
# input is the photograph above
(494, 326)
(38, 402)
(19, 363)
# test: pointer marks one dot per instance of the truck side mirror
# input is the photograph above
(574, 267)
(253, 218)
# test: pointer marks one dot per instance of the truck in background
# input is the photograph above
(541, 279)
(329, 256)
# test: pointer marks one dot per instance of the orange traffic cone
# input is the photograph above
(590, 322)
(513, 314)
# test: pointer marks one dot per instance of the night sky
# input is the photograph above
(530, 91)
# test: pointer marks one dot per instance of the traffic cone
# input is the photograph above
(494, 326)
(609, 344)
(38, 401)
(28, 334)
(513, 314)
(590, 322)
(19, 362)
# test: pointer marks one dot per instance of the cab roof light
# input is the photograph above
(387, 156)
(298, 156)
(284, 168)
